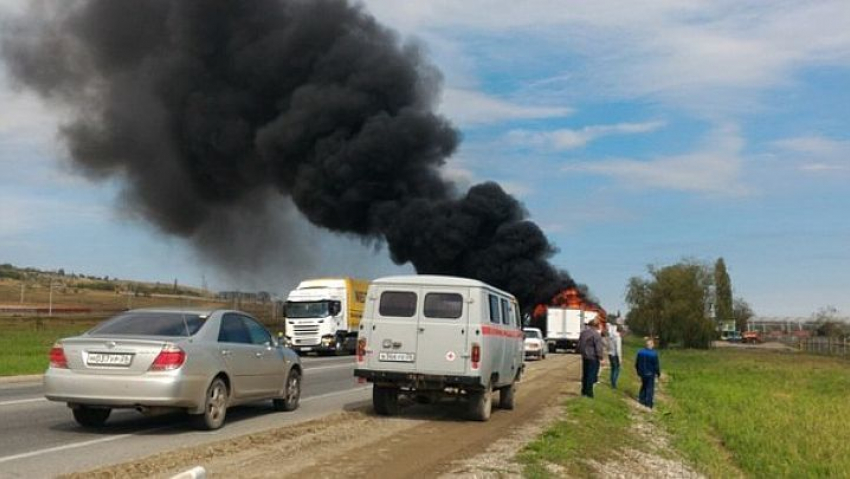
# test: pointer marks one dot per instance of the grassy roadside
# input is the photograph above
(762, 413)
(728, 412)
(24, 348)
(592, 430)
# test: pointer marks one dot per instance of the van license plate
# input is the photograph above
(100, 359)
(397, 357)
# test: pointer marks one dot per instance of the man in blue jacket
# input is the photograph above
(648, 369)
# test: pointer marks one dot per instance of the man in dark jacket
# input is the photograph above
(592, 354)
(648, 368)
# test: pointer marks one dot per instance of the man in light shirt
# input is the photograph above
(615, 352)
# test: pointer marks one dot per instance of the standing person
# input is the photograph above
(648, 368)
(592, 353)
(615, 353)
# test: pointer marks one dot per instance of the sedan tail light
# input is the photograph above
(57, 357)
(171, 357)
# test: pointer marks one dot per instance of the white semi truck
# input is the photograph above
(323, 315)
(564, 325)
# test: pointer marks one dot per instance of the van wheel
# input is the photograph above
(90, 416)
(215, 407)
(507, 396)
(481, 404)
(385, 400)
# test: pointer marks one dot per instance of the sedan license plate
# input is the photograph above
(396, 357)
(108, 359)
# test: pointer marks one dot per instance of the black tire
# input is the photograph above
(215, 407)
(339, 347)
(385, 400)
(552, 348)
(481, 404)
(292, 393)
(507, 397)
(91, 417)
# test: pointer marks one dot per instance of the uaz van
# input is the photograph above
(432, 336)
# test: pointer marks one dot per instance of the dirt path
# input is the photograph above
(425, 441)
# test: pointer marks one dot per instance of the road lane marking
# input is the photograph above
(21, 401)
(322, 368)
(62, 448)
(75, 445)
(335, 393)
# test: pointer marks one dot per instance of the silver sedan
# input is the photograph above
(200, 361)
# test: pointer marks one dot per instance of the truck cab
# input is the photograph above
(322, 315)
(430, 337)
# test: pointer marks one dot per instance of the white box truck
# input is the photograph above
(563, 327)
(323, 315)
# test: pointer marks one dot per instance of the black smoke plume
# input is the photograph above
(208, 108)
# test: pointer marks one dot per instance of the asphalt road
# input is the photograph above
(39, 438)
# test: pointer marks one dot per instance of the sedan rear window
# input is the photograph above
(151, 324)
(397, 303)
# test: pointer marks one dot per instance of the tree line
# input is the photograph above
(684, 303)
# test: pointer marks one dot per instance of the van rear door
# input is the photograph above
(393, 328)
(443, 328)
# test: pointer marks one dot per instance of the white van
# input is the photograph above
(432, 336)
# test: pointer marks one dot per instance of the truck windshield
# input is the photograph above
(307, 309)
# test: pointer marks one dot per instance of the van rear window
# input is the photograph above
(443, 305)
(401, 304)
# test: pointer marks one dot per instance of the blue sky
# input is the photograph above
(635, 133)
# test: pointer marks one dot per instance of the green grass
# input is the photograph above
(591, 429)
(728, 412)
(24, 349)
(759, 413)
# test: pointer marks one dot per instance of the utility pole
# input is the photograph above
(50, 306)
(22, 292)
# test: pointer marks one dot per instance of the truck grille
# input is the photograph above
(305, 330)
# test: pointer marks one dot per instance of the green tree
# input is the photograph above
(827, 323)
(723, 305)
(742, 313)
(673, 305)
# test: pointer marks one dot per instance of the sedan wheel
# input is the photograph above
(91, 417)
(215, 407)
(293, 393)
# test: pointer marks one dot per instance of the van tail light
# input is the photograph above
(57, 357)
(171, 357)
(361, 350)
(476, 355)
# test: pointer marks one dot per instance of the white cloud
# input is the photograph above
(468, 107)
(712, 57)
(568, 139)
(23, 214)
(816, 154)
(714, 169)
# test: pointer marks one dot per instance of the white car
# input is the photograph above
(534, 344)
